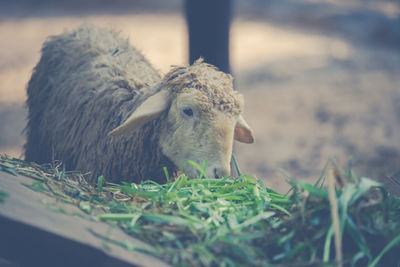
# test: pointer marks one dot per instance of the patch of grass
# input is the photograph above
(237, 221)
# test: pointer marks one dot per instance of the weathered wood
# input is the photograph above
(33, 235)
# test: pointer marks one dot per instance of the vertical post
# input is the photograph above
(208, 24)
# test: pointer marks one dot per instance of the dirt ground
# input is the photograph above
(310, 94)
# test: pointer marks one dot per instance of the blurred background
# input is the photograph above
(321, 78)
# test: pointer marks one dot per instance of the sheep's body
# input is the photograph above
(87, 83)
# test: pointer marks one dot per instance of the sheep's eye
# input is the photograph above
(188, 112)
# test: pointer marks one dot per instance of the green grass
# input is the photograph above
(235, 221)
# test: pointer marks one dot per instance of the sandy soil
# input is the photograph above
(309, 96)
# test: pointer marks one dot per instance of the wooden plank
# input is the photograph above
(32, 233)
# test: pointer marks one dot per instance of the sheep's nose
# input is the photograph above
(221, 172)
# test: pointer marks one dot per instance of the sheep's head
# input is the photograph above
(203, 118)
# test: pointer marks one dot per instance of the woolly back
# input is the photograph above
(86, 82)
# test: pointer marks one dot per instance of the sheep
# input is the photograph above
(96, 104)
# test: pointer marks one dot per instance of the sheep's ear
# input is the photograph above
(147, 111)
(243, 132)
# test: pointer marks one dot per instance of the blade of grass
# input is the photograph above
(327, 244)
(236, 165)
(335, 217)
(100, 183)
(166, 174)
(197, 166)
(392, 244)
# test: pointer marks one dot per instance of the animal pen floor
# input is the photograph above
(309, 95)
